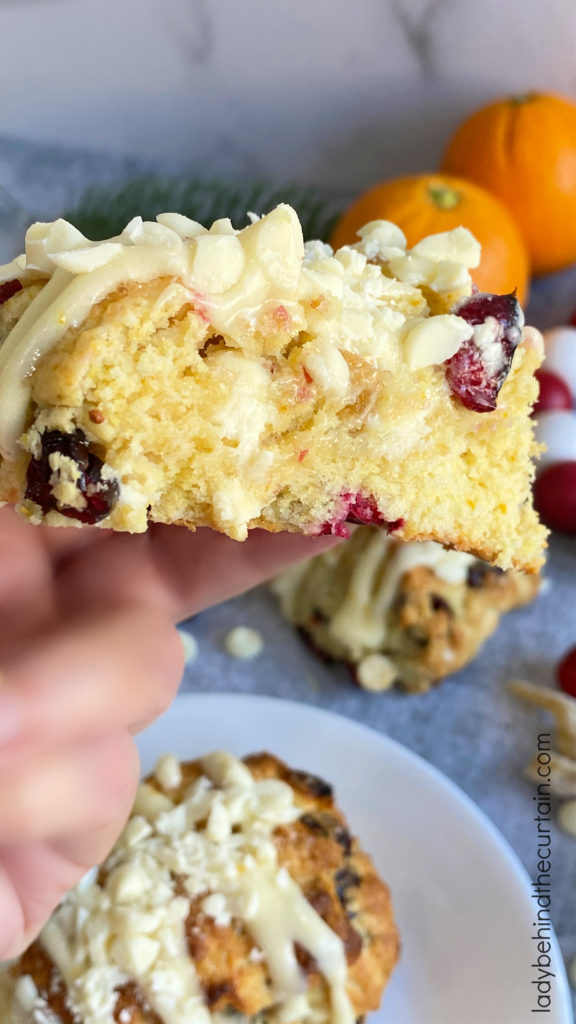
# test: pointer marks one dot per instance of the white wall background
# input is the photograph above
(332, 91)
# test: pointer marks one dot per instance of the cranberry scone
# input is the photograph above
(398, 614)
(240, 379)
(235, 893)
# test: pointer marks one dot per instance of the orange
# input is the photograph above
(428, 203)
(523, 149)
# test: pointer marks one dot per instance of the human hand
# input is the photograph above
(88, 656)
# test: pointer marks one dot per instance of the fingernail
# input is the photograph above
(11, 719)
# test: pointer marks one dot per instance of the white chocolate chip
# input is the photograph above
(43, 240)
(218, 826)
(168, 772)
(327, 367)
(218, 262)
(127, 883)
(434, 340)
(137, 954)
(243, 642)
(457, 246)
(381, 238)
(277, 244)
(150, 803)
(183, 226)
(215, 906)
(82, 261)
(376, 672)
(150, 232)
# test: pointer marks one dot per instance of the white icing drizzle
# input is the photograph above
(360, 622)
(233, 277)
(133, 927)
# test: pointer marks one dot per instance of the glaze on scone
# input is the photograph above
(398, 614)
(240, 379)
(235, 894)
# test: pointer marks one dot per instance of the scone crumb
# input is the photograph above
(376, 672)
(243, 642)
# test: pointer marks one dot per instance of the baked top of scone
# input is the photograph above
(398, 614)
(240, 379)
(236, 893)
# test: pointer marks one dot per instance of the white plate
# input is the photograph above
(461, 897)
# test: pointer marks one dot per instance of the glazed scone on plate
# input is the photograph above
(398, 614)
(241, 379)
(236, 893)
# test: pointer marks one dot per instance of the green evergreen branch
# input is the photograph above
(104, 210)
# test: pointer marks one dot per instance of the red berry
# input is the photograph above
(469, 375)
(100, 494)
(554, 392)
(572, 319)
(566, 673)
(8, 289)
(555, 496)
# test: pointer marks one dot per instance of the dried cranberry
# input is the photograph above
(100, 495)
(362, 510)
(8, 289)
(474, 377)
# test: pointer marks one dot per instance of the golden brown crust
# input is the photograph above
(338, 879)
(431, 628)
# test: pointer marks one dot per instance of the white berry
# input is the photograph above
(557, 430)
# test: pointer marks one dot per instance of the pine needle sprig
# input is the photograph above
(104, 210)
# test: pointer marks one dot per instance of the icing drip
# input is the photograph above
(133, 926)
(233, 278)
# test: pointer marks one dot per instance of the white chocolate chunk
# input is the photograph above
(434, 340)
(218, 262)
(276, 243)
(83, 260)
(376, 672)
(168, 771)
(327, 367)
(183, 226)
(45, 239)
(457, 246)
(243, 642)
(150, 803)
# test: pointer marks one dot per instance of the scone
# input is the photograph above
(398, 614)
(241, 379)
(236, 893)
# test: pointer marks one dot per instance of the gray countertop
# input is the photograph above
(469, 727)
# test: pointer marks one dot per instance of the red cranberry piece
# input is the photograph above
(554, 392)
(572, 320)
(100, 495)
(471, 378)
(555, 496)
(566, 673)
(363, 509)
(8, 289)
